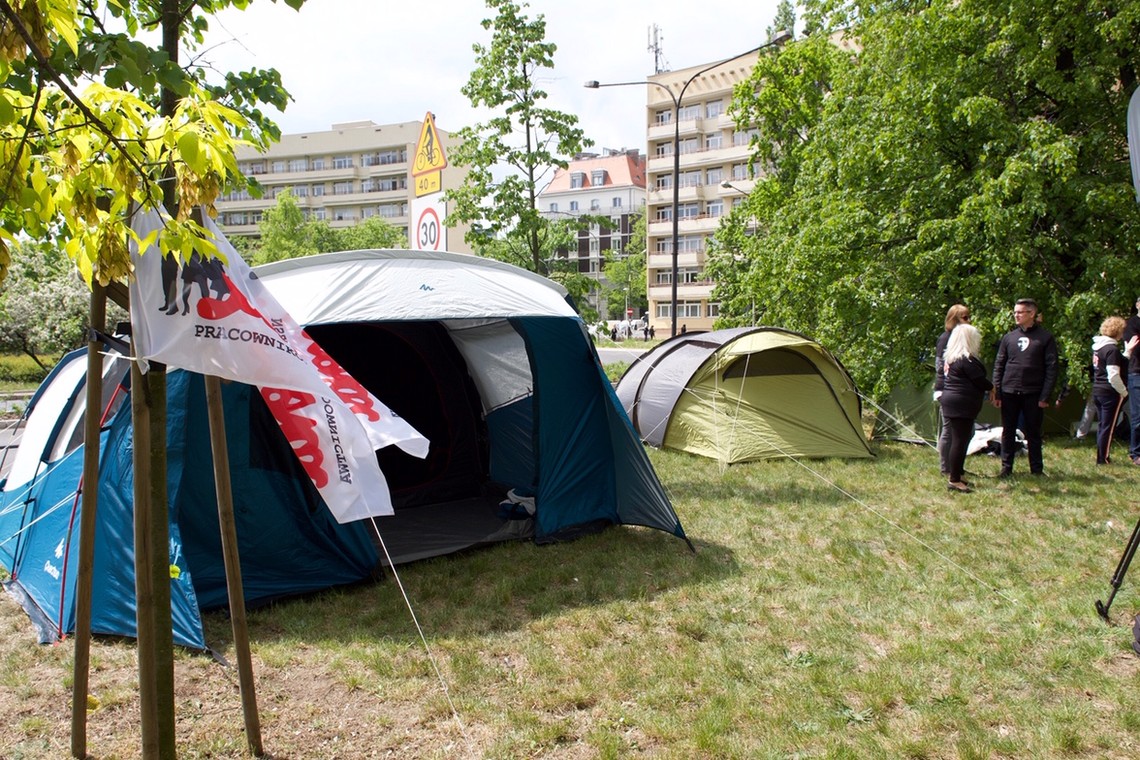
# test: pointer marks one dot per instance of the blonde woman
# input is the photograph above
(1110, 367)
(964, 386)
(956, 315)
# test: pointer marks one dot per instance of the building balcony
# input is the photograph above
(356, 199)
(664, 261)
(277, 179)
(686, 291)
(688, 127)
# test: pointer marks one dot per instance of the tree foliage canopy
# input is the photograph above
(287, 234)
(95, 111)
(938, 152)
(509, 155)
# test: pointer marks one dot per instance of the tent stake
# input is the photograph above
(232, 561)
(82, 663)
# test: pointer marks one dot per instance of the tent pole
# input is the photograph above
(228, 528)
(82, 663)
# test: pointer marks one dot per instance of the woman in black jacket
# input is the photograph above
(964, 386)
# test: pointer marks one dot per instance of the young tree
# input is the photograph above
(92, 119)
(784, 20)
(968, 152)
(285, 233)
(372, 233)
(509, 155)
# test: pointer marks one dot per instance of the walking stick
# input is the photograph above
(1121, 569)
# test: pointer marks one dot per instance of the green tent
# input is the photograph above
(743, 394)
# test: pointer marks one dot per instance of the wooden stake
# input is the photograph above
(82, 665)
(228, 527)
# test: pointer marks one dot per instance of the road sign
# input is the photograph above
(428, 233)
(429, 150)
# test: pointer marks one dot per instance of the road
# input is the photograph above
(616, 355)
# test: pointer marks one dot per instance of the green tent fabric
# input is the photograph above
(745, 394)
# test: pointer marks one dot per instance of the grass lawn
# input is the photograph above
(834, 609)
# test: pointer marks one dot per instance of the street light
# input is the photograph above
(778, 39)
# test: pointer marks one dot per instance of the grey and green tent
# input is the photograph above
(743, 394)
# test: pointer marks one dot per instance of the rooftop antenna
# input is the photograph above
(659, 62)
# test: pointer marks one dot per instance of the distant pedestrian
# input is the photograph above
(1025, 371)
(651, 331)
(1108, 388)
(957, 315)
(682, 329)
(964, 388)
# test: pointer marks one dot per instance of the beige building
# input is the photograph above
(610, 184)
(344, 176)
(714, 174)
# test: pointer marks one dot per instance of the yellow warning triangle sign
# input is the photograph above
(429, 150)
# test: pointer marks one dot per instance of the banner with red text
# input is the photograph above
(217, 319)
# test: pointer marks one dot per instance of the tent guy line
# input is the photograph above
(420, 631)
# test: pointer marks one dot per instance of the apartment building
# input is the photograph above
(344, 176)
(610, 184)
(713, 175)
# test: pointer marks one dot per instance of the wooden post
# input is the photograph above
(82, 664)
(228, 528)
(152, 567)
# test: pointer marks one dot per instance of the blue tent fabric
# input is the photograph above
(488, 357)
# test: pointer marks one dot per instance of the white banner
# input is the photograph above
(218, 319)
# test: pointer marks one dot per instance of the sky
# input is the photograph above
(366, 60)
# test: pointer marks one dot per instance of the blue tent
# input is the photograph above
(490, 362)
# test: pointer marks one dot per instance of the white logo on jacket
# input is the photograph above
(1023, 343)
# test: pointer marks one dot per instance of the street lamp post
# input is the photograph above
(778, 39)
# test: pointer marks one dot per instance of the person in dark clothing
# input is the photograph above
(1108, 388)
(957, 315)
(1131, 337)
(1025, 371)
(964, 387)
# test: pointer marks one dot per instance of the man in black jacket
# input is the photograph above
(1132, 331)
(1025, 371)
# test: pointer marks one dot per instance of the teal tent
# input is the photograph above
(489, 361)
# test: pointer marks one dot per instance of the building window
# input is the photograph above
(256, 167)
(320, 214)
(616, 203)
(573, 205)
(688, 211)
(664, 181)
(664, 245)
(664, 277)
(663, 149)
(714, 310)
(278, 167)
(715, 141)
(664, 213)
(663, 117)
(318, 190)
(715, 208)
(714, 176)
(577, 180)
(689, 113)
(595, 204)
(554, 207)
(740, 171)
(745, 137)
(598, 177)
(691, 179)
(595, 246)
(689, 309)
(616, 245)
(300, 191)
(298, 165)
(317, 164)
(714, 108)
(688, 276)
(690, 145)
(342, 162)
(663, 310)
(342, 188)
(343, 215)
(690, 244)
